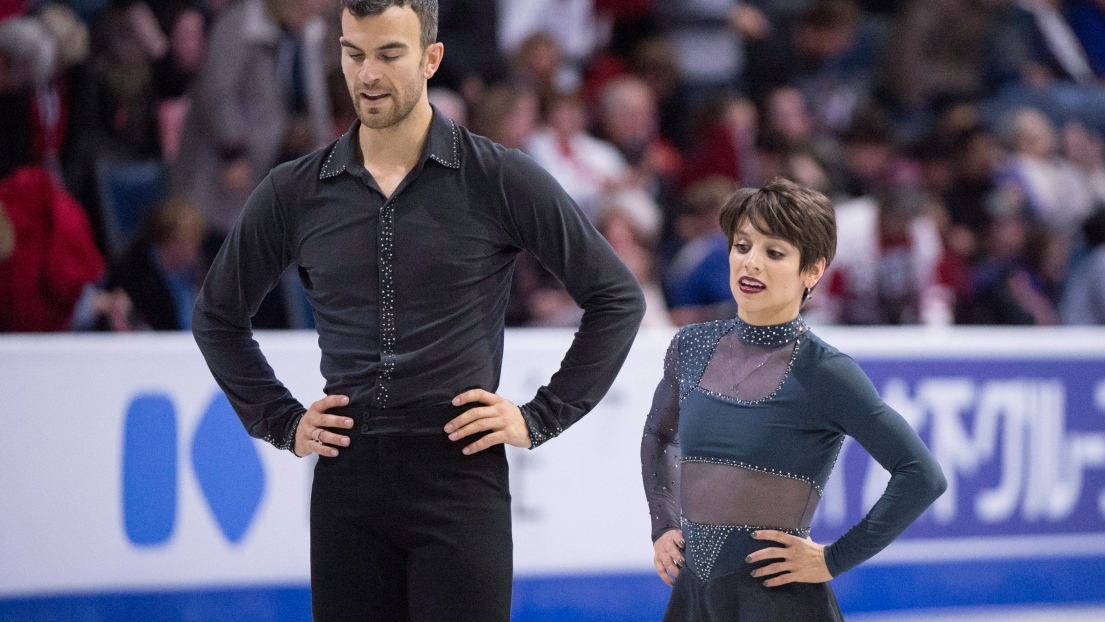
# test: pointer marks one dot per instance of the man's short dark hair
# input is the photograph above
(426, 10)
(783, 209)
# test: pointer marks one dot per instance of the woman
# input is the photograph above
(747, 423)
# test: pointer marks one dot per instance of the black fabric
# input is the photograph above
(409, 529)
(409, 291)
(401, 421)
(739, 597)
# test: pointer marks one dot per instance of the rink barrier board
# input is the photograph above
(91, 541)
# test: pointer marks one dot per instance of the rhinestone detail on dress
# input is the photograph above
(698, 342)
(696, 346)
(786, 374)
(768, 336)
(704, 542)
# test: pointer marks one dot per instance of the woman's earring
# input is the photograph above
(808, 294)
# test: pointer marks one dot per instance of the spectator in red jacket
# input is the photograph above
(53, 257)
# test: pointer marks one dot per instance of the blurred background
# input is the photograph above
(960, 140)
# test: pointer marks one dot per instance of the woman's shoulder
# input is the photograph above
(823, 359)
(703, 332)
(815, 344)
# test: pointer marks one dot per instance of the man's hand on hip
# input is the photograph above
(498, 415)
(312, 435)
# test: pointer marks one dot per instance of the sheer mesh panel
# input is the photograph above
(746, 372)
(721, 494)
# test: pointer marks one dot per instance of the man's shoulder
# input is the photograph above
(488, 157)
(295, 174)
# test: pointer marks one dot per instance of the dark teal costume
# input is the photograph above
(745, 428)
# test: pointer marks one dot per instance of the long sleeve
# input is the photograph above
(660, 448)
(247, 267)
(542, 219)
(849, 400)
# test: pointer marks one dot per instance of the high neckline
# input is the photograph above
(771, 336)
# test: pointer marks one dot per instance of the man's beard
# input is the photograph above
(402, 103)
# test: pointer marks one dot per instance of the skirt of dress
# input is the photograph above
(738, 597)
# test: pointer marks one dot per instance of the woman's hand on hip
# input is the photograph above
(801, 560)
(668, 557)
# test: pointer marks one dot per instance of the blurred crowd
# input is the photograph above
(960, 140)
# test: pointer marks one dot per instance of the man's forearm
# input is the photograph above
(266, 408)
(606, 333)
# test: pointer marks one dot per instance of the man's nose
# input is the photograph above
(369, 73)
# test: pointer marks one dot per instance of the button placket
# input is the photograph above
(387, 300)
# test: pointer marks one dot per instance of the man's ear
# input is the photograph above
(432, 59)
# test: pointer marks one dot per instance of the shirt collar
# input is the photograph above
(442, 146)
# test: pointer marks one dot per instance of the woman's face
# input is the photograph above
(765, 278)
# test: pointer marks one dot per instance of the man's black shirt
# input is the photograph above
(409, 292)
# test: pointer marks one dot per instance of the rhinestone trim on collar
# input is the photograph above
(769, 336)
(326, 172)
(456, 149)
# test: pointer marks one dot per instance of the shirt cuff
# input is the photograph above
(539, 433)
(290, 442)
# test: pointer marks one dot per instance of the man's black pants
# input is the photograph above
(409, 529)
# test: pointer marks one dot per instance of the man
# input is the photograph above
(404, 233)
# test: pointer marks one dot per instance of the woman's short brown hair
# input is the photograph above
(783, 209)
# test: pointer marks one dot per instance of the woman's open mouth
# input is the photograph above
(749, 285)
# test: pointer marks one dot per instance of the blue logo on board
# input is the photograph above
(224, 459)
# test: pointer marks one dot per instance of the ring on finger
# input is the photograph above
(316, 434)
